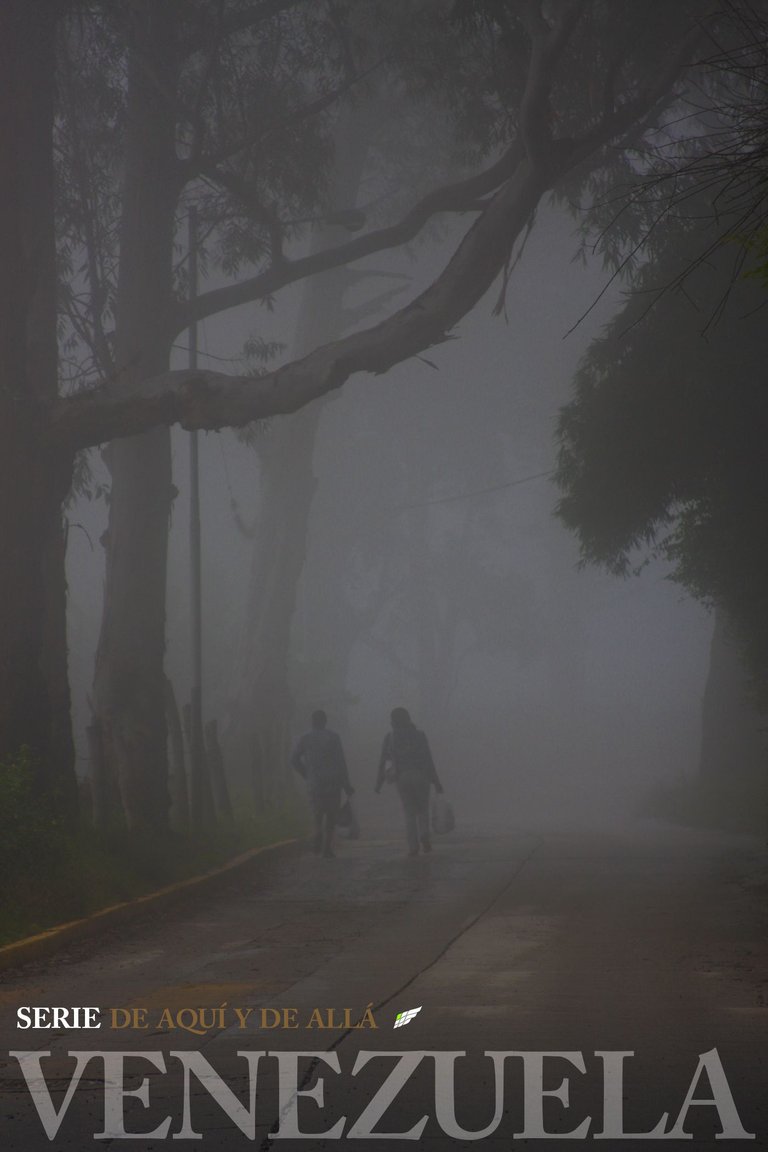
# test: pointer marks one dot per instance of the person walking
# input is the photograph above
(406, 759)
(319, 758)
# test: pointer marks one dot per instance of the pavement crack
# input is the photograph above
(267, 1142)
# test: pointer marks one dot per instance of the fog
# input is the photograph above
(548, 690)
(452, 314)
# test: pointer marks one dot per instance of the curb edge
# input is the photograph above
(52, 940)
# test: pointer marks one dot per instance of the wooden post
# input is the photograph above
(99, 791)
(215, 762)
(200, 814)
(179, 790)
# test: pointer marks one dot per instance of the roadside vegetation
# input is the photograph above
(54, 872)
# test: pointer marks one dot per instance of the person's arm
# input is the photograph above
(343, 770)
(431, 770)
(297, 759)
(386, 755)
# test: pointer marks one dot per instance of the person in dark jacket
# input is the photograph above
(406, 758)
(319, 758)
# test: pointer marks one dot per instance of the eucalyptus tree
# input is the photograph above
(548, 124)
(34, 476)
(220, 106)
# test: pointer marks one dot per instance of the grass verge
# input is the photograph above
(53, 873)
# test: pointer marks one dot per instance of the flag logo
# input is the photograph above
(403, 1018)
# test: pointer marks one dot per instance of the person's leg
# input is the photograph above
(411, 825)
(331, 811)
(327, 851)
(423, 821)
(317, 813)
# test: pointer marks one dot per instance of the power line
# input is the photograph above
(476, 492)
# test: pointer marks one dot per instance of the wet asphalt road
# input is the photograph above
(649, 940)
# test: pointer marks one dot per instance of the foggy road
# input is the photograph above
(653, 941)
(353, 357)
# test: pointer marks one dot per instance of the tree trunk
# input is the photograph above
(207, 807)
(733, 746)
(129, 683)
(179, 790)
(34, 692)
(261, 725)
(436, 614)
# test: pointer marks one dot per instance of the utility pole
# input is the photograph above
(200, 813)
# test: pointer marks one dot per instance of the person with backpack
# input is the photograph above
(319, 758)
(406, 759)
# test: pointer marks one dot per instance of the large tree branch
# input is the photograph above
(459, 197)
(535, 128)
(547, 45)
(212, 400)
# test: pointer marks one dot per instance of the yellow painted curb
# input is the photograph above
(54, 939)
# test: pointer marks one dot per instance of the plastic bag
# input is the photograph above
(347, 818)
(443, 819)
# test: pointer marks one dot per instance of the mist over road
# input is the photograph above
(649, 940)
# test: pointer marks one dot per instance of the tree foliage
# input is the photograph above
(700, 167)
(663, 446)
(245, 93)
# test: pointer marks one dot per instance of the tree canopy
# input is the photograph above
(662, 447)
(538, 112)
(149, 109)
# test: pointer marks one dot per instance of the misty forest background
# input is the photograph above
(530, 240)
